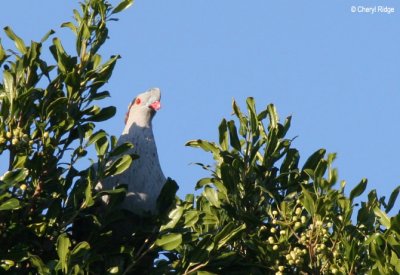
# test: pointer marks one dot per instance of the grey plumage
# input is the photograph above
(144, 178)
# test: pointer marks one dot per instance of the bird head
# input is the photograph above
(143, 108)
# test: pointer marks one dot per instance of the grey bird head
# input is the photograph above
(143, 108)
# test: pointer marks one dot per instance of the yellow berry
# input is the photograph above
(271, 240)
(46, 134)
(274, 212)
(273, 230)
(275, 247)
(281, 268)
(23, 187)
(298, 211)
(14, 141)
(8, 135)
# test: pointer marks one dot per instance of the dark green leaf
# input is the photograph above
(166, 198)
(120, 149)
(96, 136)
(314, 159)
(104, 114)
(359, 189)
(101, 146)
(233, 136)
(223, 135)
(392, 199)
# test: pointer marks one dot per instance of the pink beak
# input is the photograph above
(156, 105)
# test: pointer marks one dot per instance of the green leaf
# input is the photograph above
(205, 145)
(383, 218)
(3, 55)
(174, 216)
(56, 106)
(37, 262)
(359, 189)
(167, 197)
(119, 166)
(392, 199)
(9, 85)
(252, 113)
(223, 135)
(80, 249)
(47, 35)
(314, 159)
(104, 114)
(122, 6)
(88, 195)
(96, 136)
(169, 241)
(71, 26)
(17, 175)
(100, 95)
(227, 233)
(120, 149)
(10, 204)
(243, 120)
(101, 146)
(63, 245)
(233, 136)
(273, 116)
(202, 182)
(191, 218)
(19, 43)
(212, 196)
(308, 201)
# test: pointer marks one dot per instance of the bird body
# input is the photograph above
(144, 177)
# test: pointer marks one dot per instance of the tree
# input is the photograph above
(258, 213)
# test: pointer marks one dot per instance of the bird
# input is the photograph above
(144, 178)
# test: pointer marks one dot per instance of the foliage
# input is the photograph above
(259, 211)
(47, 124)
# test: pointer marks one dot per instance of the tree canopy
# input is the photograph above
(258, 212)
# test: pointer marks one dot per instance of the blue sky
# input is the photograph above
(335, 71)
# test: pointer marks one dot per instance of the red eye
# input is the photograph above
(138, 101)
